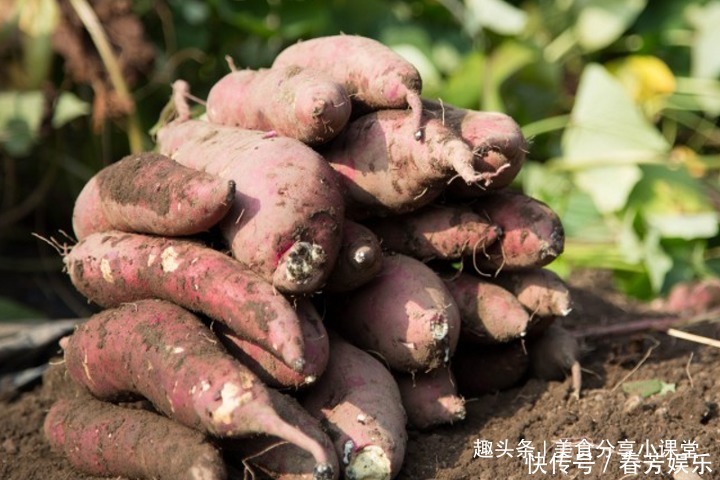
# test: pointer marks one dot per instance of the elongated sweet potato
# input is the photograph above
(295, 102)
(102, 439)
(496, 139)
(162, 352)
(268, 367)
(111, 268)
(431, 398)
(488, 312)
(150, 193)
(436, 231)
(373, 74)
(533, 235)
(359, 260)
(286, 220)
(406, 315)
(481, 369)
(540, 290)
(555, 354)
(358, 402)
(385, 173)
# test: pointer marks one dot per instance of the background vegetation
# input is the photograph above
(620, 99)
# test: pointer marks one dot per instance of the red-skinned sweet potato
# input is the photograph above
(430, 398)
(359, 261)
(295, 102)
(481, 369)
(373, 74)
(157, 350)
(111, 268)
(150, 193)
(541, 291)
(405, 315)
(102, 439)
(358, 402)
(286, 220)
(436, 232)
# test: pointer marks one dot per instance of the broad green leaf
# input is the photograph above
(705, 58)
(505, 60)
(601, 22)
(609, 186)
(495, 15)
(687, 226)
(463, 88)
(68, 108)
(20, 117)
(647, 388)
(657, 262)
(647, 78)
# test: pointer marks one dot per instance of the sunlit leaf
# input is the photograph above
(657, 261)
(463, 87)
(601, 22)
(20, 117)
(38, 18)
(647, 78)
(705, 58)
(68, 108)
(647, 388)
(428, 72)
(495, 15)
(609, 186)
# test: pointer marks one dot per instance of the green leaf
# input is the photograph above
(495, 15)
(657, 262)
(24, 106)
(464, 86)
(705, 60)
(609, 187)
(68, 108)
(601, 22)
(647, 388)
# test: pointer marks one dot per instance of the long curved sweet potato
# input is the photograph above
(358, 402)
(165, 354)
(150, 193)
(359, 261)
(111, 268)
(539, 290)
(295, 102)
(406, 315)
(286, 220)
(431, 398)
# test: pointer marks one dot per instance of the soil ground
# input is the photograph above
(637, 432)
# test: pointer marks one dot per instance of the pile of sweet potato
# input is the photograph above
(319, 262)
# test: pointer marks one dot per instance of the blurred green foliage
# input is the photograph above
(620, 99)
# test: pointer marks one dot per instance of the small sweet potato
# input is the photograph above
(406, 315)
(111, 268)
(102, 439)
(430, 398)
(150, 193)
(539, 290)
(295, 102)
(555, 354)
(358, 402)
(286, 220)
(436, 232)
(481, 369)
(488, 312)
(157, 350)
(359, 261)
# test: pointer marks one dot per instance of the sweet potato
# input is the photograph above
(430, 398)
(694, 297)
(383, 173)
(268, 367)
(112, 268)
(554, 355)
(295, 102)
(436, 231)
(496, 139)
(488, 312)
(406, 315)
(157, 350)
(374, 75)
(481, 369)
(539, 290)
(358, 402)
(281, 460)
(150, 193)
(533, 234)
(286, 220)
(102, 439)
(359, 260)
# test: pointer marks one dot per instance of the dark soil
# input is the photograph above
(531, 414)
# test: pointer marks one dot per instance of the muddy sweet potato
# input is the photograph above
(541, 291)
(554, 355)
(359, 261)
(405, 315)
(285, 223)
(112, 268)
(430, 398)
(291, 101)
(482, 369)
(159, 351)
(150, 193)
(436, 232)
(358, 402)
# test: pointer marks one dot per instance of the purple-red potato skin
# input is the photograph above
(488, 312)
(282, 460)
(436, 232)
(405, 314)
(358, 402)
(375, 76)
(496, 139)
(359, 261)
(431, 398)
(112, 268)
(533, 235)
(482, 369)
(268, 367)
(695, 297)
(286, 220)
(385, 172)
(295, 102)
(102, 439)
(541, 291)
(159, 351)
(150, 193)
